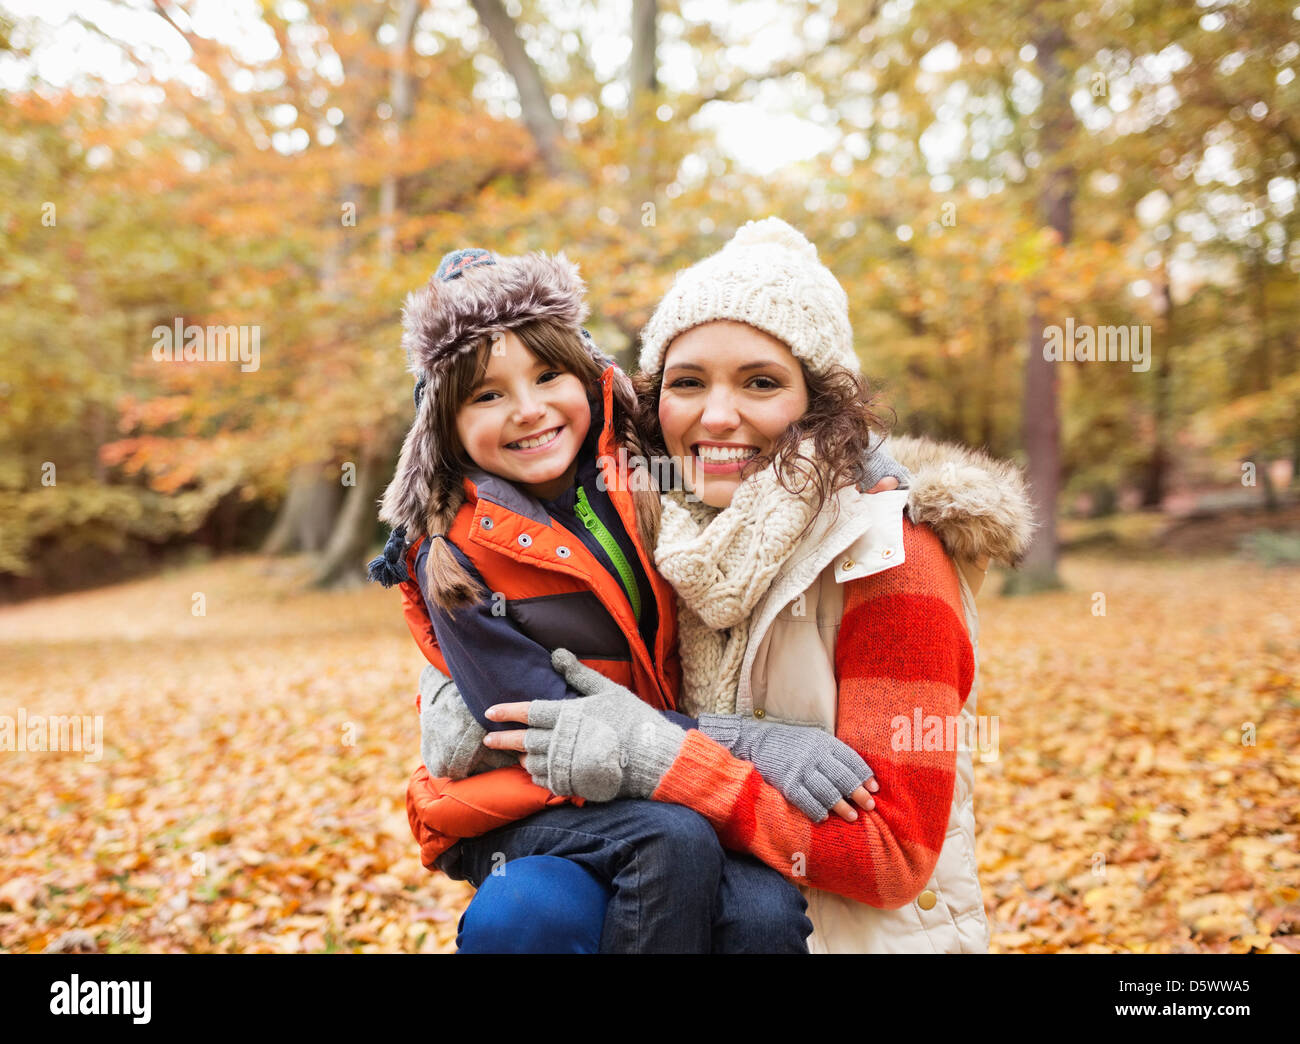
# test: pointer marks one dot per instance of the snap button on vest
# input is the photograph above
(524, 540)
(847, 564)
(926, 899)
(760, 713)
(562, 551)
(485, 522)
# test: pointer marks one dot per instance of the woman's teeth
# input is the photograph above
(537, 440)
(724, 455)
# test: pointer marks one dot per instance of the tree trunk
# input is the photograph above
(343, 564)
(307, 515)
(1041, 418)
(1153, 491)
(1271, 500)
(1295, 456)
(643, 74)
(1042, 437)
(643, 121)
(399, 91)
(988, 381)
(533, 100)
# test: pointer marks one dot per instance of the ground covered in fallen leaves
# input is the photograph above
(1144, 796)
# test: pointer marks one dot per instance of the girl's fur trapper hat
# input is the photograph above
(473, 294)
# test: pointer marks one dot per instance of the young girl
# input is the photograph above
(530, 535)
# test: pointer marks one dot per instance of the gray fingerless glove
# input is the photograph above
(451, 741)
(879, 464)
(811, 768)
(579, 754)
(576, 745)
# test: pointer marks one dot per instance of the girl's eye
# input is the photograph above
(549, 375)
(483, 397)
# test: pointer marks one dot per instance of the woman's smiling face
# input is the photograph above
(729, 392)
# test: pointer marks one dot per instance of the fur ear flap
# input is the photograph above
(405, 500)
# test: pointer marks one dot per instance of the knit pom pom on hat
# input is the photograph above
(773, 230)
(768, 276)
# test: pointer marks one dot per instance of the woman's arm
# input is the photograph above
(902, 651)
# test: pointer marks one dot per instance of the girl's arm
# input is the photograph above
(902, 651)
(492, 661)
(488, 657)
(463, 789)
(451, 741)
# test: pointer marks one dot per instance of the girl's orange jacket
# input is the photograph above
(547, 561)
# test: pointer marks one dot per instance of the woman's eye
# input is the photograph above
(683, 382)
(767, 385)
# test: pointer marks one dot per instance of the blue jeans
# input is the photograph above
(654, 879)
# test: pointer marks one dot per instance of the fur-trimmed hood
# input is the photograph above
(977, 505)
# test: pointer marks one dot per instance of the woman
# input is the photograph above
(804, 600)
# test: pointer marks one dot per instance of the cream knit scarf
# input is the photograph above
(721, 563)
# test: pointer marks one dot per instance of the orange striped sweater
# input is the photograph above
(902, 648)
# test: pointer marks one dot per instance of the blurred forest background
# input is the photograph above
(970, 174)
(973, 174)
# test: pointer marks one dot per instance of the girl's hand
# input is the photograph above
(510, 741)
(888, 482)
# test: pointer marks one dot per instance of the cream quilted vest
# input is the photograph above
(789, 676)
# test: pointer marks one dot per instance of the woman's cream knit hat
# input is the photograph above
(767, 276)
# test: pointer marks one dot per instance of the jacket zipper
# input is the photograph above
(597, 528)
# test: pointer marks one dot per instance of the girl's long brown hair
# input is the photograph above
(840, 419)
(560, 346)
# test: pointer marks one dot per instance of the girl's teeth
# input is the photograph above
(719, 455)
(540, 440)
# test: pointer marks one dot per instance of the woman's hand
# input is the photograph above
(888, 482)
(813, 770)
(571, 754)
(606, 744)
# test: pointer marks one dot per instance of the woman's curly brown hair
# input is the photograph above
(840, 419)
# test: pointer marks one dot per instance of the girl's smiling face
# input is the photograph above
(729, 392)
(525, 420)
